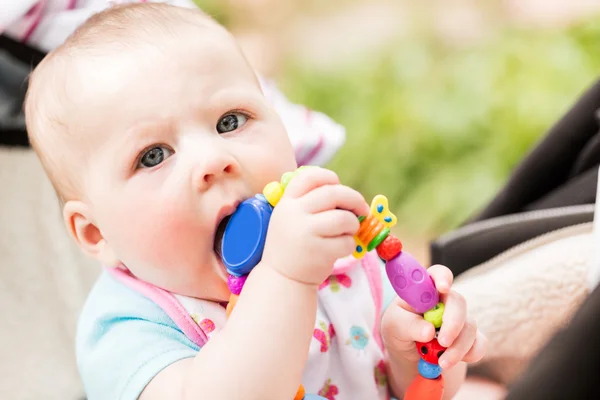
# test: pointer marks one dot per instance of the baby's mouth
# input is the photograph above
(219, 235)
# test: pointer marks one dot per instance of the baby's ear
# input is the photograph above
(82, 228)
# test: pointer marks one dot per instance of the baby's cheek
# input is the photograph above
(165, 235)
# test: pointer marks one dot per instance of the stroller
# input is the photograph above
(553, 188)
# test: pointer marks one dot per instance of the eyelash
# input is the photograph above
(141, 153)
(238, 111)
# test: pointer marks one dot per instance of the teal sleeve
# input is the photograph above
(123, 341)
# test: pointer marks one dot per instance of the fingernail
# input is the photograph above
(444, 364)
(442, 341)
(425, 332)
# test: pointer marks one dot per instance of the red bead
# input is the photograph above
(431, 351)
(389, 248)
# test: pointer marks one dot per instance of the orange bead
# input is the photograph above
(232, 300)
(425, 389)
(300, 393)
(369, 228)
(389, 248)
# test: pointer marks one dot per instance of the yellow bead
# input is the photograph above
(273, 192)
(381, 210)
(435, 315)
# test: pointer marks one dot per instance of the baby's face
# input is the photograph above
(175, 138)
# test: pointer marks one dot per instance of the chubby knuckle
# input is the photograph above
(470, 329)
(458, 298)
(352, 222)
(315, 172)
(344, 248)
(389, 325)
(472, 323)
(349, 242)
(334, 176)
(351, 192)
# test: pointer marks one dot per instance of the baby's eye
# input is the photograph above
(154, 156)
(230, 122)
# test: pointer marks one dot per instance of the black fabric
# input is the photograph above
(22, 52)
(16, 60)
(569, 149)
(480, 241)
(568, 367)
(14, 138)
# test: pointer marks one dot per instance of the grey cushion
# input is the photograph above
(44, 280)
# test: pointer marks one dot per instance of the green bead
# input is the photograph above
(435, 315)
(286, 178)
(378, 239)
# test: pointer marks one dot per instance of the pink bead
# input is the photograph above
(412, 282)
(236, 283)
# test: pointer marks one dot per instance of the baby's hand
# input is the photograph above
(402, 327)
(313, 225)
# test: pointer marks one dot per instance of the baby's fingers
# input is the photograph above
(461, 346)
(442, 277)
(453, 321)
(339, 247)
(478, 349)
(401, 328)
(335, 223)
(331, 197)
(309, 179)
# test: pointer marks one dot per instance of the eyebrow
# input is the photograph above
(234, 96)
(140, 135)
(144, 130)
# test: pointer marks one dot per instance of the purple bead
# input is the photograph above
(412, 282)
(236, 283)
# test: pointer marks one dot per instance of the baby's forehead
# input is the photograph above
(106, 86)
(114, 57)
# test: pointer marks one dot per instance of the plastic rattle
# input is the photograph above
(242, 248)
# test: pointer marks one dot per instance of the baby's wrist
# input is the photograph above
(271, 275)
(282, 273)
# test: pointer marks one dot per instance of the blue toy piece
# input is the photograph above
(244, 237)
(428, 370)
(313, 397)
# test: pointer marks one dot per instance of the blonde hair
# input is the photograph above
(118, 28)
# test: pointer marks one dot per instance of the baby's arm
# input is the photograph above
(261, 352)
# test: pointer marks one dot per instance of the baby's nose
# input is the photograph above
(213, 170)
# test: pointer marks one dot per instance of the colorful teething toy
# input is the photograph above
(242, 247)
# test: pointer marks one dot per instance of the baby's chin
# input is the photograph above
(206, 283)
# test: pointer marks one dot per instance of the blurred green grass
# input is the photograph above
(438, 129)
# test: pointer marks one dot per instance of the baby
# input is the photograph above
(153, 128)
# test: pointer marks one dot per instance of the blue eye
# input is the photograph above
(154, 156)
(230, 122)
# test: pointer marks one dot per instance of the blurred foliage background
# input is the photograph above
(440, 99)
